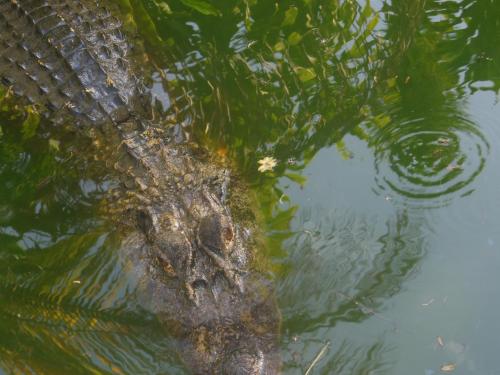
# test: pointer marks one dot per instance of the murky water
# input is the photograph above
(381, 213)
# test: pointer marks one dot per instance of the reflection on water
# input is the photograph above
(355, 264)
(391, 85)
(343, 269)
(426, 161)
(76, 305)
(67, 302)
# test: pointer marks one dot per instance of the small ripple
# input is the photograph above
(343, 267)
(425, 164)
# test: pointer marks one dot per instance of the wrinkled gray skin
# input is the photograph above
(190, 257)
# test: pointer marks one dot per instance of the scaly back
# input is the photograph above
(68, 57)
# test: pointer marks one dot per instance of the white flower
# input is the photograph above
(267, 164)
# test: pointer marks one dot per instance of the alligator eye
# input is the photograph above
(145, 222)
(209, 232)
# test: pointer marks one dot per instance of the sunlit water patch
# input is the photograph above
(423, 164)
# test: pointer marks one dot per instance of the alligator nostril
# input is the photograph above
(199, 284)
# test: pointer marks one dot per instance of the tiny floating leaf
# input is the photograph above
(448, 367)
(440, 341)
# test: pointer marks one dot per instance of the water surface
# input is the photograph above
(381, 214)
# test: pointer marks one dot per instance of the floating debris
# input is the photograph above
(443, 141)
(267, 164)
(440, 341)
(425, 304)
(448, 367)
(318, 357)
(453, 167)
(77, 282)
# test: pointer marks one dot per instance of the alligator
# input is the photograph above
(192, 255)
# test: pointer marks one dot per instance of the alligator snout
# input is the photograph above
(244, 361)
(228, 351)
(240, 338)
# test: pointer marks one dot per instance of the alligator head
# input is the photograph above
(199, 279)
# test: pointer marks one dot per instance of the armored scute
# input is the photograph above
(193, 259)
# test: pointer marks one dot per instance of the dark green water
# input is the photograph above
(381, 213)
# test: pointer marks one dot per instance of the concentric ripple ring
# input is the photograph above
(427, 163)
